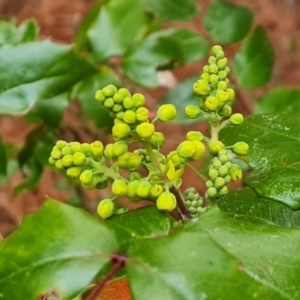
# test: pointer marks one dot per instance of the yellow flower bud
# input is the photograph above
(166, 201)
(157, 139)
(222, 96)
(129, 117)
(132, 188)
(119, 148)
(67, 160)
(192, 111)
(237, 119)
(143, 189)
(212, 103)
(145, 130)
(199, 152)
(138, 100)
(142, 114)
(226, 111)
(240, 148)
(121, 131)
(86, 177)
(235, 172)
(194, 136)
(166, 112)
(119, 187)
(105, 208)
(186, 149)
(79, 158)
(201, 87)
(156, 190)
(215, 146)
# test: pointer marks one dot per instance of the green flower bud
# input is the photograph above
(227, 70)
(56, 153)
(213, 78)
(51, 160)
(228, 164)
(212, 60)
(235, 172)
(97, 148)
(213, 69)
(212, 103)
(237, 119)
(216, 49)
(66, 150)
(124, 92)
(194, 136)
(226, 111)
(166, 201)
(109, 102)
(217, 163)
(223, 158)
(135, 176)
(199, 152)
(222, 85)
(86, 177)
(145, 130)
(222, 62)
(240, 148)
(138, 100)
(213, 174)
(219, 182)
(134, 161)
(86, 148)
(61, 144)
(220, 54)
(105, 208)
(128, 103)
(176, 159)
(132, 188)
(121, 131)
(117, 108)
(186, 149)
(129, 117)
(192, 111)
(119, 117)
(75, 147)
(58, 164)
(206, 69)
(223, 171)
(227, 178)
(108, 151)
(230, 93)
(99, 96)
(201, 87)
(79, 158)
(166, 112)
(215, 146)
(142, 114)
(222, 75)
(119, 148)
(157, 139)
(144, 189)
(119, 187)
(118, 98)
(223, 191)
(209, 183)
(156, 190)
(212, 192)
(74, 172)
(67, 160)
(109, 90)
(222, 96)
(205, 76)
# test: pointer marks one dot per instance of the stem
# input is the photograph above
(119, 262)
(186, 214)
(214, 132)
(196, 171)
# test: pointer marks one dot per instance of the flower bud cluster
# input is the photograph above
(222, 170)
(193, 202)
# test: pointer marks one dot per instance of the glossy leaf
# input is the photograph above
(252, 65)
(140, 64)
(146, 222)
(274, 155)
(181, 96)
(217, 257)
(180, 10)
(85, 90)
(116, 27)
(50, 249)
(277, 100)
(227, 22)
(38, 70)
(3, 158)
(244, 204)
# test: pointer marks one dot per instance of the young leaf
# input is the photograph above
(244, 204)
(116, 27)
(141, 223)
(28, 31)
(141, 62)
(59, 249)
(217, 257)
(274, 155)
(181, 96)
(252, 65)
(180, 10)
(277, 100)
(37, 70)
(226, 22)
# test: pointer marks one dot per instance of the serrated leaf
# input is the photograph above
(217, 257)
(252, 65)
(85, 90)
(180, 10)
(274, 155)
(59, 248)
(140, 64)
(277, 100)
(226, 22)
(181, 96)
(37, 70)
(106, 35)
(244, 204)
(3, 158)
(146, 222)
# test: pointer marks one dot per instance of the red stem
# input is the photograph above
(186, 214)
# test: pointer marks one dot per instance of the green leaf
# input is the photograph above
(244, 204)
(3, 158)
(146, 222)
(252, 65)
(28, 31)
(85, 90)
(60, 247)
(37, 70)
(181, 96)
(227, 23)
(8, 32)
(274, 155)
(140, 64)
(217, 257)
(277, 100)
(180, 10)
(117, 26)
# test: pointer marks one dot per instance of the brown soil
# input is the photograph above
(59, 20)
